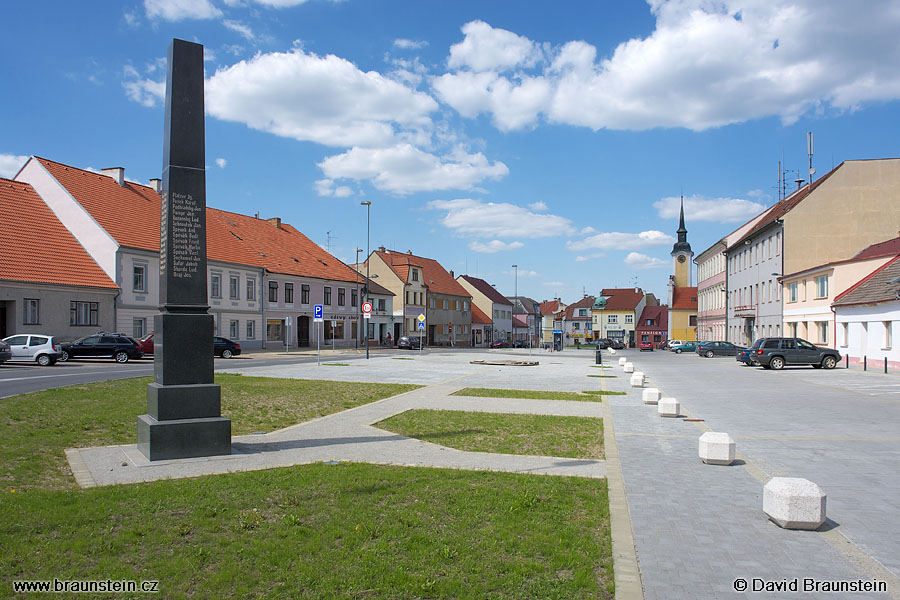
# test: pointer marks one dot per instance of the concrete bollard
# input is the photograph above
(668, 407)
(637, 379)
(622, 361)
(628, 367)
(716, 448)
(651, 396)
(794, 503)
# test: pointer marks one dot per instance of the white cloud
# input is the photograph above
(321, 99)
(240, 28)
(473, 218)
(409, 44)
(179, 10)
(704, 65)
(325, 187)
(281, 3)
(221, 162)
(538, 206)
(522, 273)
(494, 246)
(636, 260)
(700, 208)
(10, 164)
(622, 241)
(554, 284)
(486, 48)
(145, 92)
(404, 169)
(587, 257)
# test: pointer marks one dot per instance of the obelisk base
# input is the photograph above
(183, 438)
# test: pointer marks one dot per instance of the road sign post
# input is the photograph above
(421, 327)
(317, 318)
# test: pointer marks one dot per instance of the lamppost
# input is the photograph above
(515, 301)
(368, 205)
(358, 299)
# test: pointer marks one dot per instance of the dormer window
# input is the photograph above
(415, 274)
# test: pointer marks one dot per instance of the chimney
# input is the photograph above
(409, 252)
(452, 276)
(637, 290)
(381, 248)
(275, 221)
(156, 184)
(117, 173)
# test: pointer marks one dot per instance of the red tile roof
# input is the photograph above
(887, 248)
(622, 299)
(684, 298)
(878, 286)
(131, 213)
(586, 302)
(659, 315)
(435, 276)
(549, 307)
(479, 317)
(487, 289)
(35, 247)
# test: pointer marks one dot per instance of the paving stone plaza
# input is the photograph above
(696, 530)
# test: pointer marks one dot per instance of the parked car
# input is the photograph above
(616, 344)
(672, 343)
(225, 348)
(117, 346)
(408, 343)
(5, 352)
(603, 343)
(685, 347)
(146, 343)
(520, 344)
(498, 344)
(775, 353)
(745, 356)
(647, 346)
(663, 345)
(40, 348)
(711, 349)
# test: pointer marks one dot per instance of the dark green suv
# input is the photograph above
(775, 353)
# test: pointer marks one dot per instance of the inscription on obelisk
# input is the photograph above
(183, 404)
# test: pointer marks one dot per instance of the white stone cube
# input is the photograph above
(716, 448)
(651, 395)
(637, 379)
(668, 407)
(628, 367)
(794, 503)
(612, 351)
(622, 361)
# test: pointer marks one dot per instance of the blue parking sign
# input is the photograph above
(317, 312)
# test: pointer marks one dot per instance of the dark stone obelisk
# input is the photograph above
(184, 417)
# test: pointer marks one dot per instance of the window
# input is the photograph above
(822, 286)
(582, 312)
(692, 320)
(84, 313)
(409, 297)
(458, 305)
(251, 330)
(823, 332)
(415, 274)
(138, 328)
(845, 331)
(234, 287)
(288, 293)
(353, 300)
(273, 291)
(304, 294)
(446, 305)
(792, 289)
(275, 330)
(233, 328)
(431, 303)
(32, 312)
(629, 318)
(215, 285)
(576, 326)
(381, 304)
(139, 278)
(887, 335)
(465, 305)
(612, 319)
(649, 322)
(251, 288)
(342, 296)
(327, 301)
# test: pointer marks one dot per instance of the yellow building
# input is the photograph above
(682, 295)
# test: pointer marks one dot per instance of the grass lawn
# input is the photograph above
(541, 435)
(313, 531)
(603, 376)
(534, 394)
(37, 427)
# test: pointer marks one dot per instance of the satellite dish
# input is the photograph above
(812, 171)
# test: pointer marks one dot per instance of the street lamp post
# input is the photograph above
(515, 301)
(358, 298)
(368, 205)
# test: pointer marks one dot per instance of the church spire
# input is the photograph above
(682, 244)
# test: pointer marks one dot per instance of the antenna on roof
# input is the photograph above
(809, 151)
(328, 239)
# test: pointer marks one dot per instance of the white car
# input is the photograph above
(672, 343)
(37, 347)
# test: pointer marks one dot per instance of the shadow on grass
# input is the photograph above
(443, 435)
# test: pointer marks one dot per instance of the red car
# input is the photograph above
(146, 344)
(647, 346)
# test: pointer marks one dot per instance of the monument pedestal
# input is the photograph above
(183, 438)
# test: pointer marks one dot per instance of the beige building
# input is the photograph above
(808, 294)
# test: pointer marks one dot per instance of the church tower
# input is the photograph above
(682, 254)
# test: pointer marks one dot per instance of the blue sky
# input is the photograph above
(555, 136)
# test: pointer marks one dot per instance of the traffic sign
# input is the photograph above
(367, 315)
(421, 318)
(421, 326)
(317, 314)
(367, 307)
